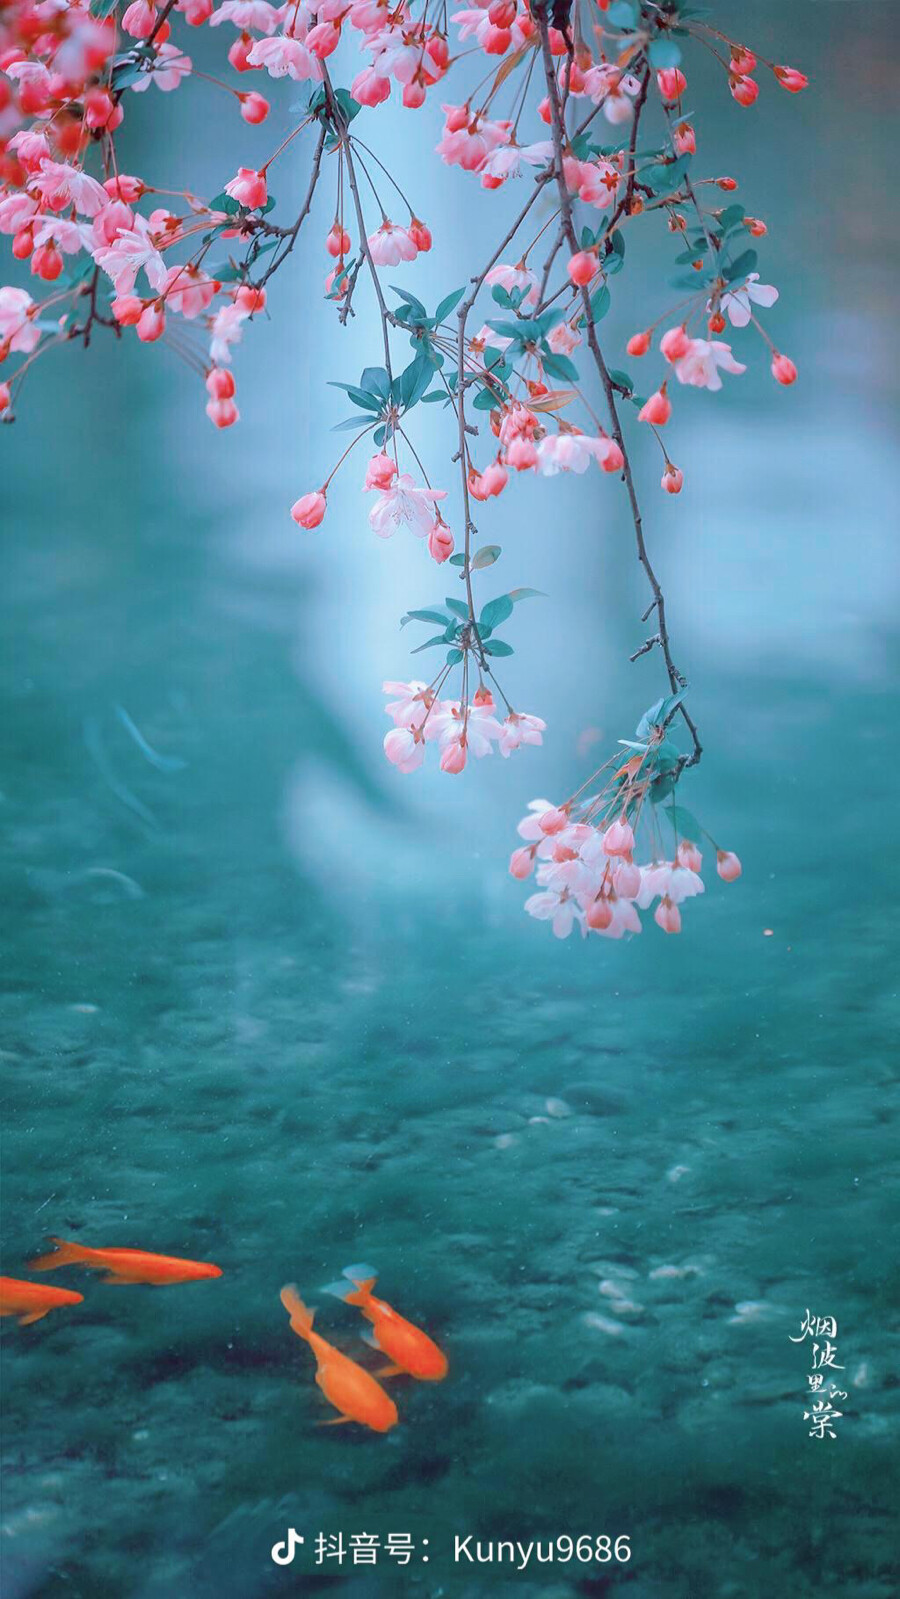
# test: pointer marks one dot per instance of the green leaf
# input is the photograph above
(429, 644)
(498, 646)
(745, 264)
(458, 609)
(685, 825)
(731, 217)
(360, 397)
(600, 303)
(486, 556)
(622, 378)
(424, 616)
(496, 611)
(454, 657)
(413, 382)
(525, 594)
(486, 401)
(407, 299)
(448, 304)
(663, 53)
(559, 366)
(354, 422)
(458, 560)
(221, 202)
(622, 14)
(656, 715)
(375, 380)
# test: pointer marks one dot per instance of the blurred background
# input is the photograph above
(272, 1004)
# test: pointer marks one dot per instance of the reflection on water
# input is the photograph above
(270, 1005)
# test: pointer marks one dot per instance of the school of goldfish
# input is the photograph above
(353, 1391)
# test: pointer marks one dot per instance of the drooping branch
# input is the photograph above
(677, 681)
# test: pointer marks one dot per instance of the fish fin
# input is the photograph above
(360, 1274)
(335, 1421)
(338, 1290)
(362, 1285)
(389, 1371)
(301, 1317)
(371, 1338)
(64, 1255)
(34, 1315)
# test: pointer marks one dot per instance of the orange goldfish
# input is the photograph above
(408, 1348)
(126, 1265)
(346, 1386)
(31, 1301)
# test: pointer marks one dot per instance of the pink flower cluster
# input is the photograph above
(588, 877)
(457, 729)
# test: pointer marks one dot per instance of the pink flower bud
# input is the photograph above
(672, 479)
(657, 409)
(742, 60)
(684, 139)
(46, 262)
(791, 79)
(139, 19)
(618, 838)
(413, 94)
(440, 542)
(151, 324)
(783, 369)
(744, 90)
(638, 344)
(453, 758)
(671, 83)
(675, 343)
(220, 383)
(599, 914)
(727, 865)
(224, 413)
(420, 234)
(727, 184)
(309, 510)
(239, 51)
(254, 107)
(667, 916)
(553, 820)
(5, 399)
(689, 855)
(250, 299)
(380, 472)
(127, 309)
(582, 267)
(521, 863)
(338, 241)
(124, 188)
(522, 454)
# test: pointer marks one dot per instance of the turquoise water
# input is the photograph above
(272, 1006)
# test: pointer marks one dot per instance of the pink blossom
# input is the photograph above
(139, 19)
(514, 277)
(391, 244)
(701, 365)
(248, 188)
(736, 302)
(404, 748)
(403, 504)
(413, 702)
(171, 66)
(283, 57)
(188, 290)
(247, 14)
(559, 909)
(58, 182)
(133, 250)
(519, 729)
(227, 329)
(18, 331)
(727, 865)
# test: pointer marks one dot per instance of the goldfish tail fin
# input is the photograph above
(63, 1255)
(360, 1274)
(301, 1317)
(339, 1290)
(363, 1279)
